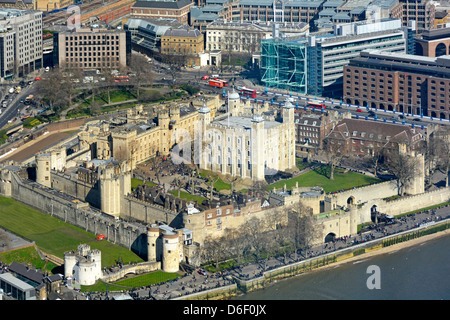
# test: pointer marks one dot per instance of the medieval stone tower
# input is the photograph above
(417, 184)
(114, 184)
(234, 103)
(171, 252)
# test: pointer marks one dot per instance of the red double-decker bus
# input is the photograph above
(249, 92)
(216, 83)
(316, 104)
(121, 78)
(225, 83)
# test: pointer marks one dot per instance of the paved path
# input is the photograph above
(196, 282)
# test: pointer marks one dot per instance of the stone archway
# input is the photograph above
(374, 213)
(330, 237)
(418, 49)
(351, 201)
(441, 50)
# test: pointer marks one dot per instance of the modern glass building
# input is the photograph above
(284, 64)
(314, 63)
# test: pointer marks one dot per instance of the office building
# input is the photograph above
(146, 33)
(20, 42)
(245, 37)
(178, 10)
(404, 83)
(420, 11)
(92, 48)
(433, 43)
(314, 63)
(185, 43)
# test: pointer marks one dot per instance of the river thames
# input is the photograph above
(420, 272)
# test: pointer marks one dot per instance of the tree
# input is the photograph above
(278, 229)
(236, 243)
(72, 76)
(403, 167)
(214, 249)
(441, 152)
(301, 226)
(142, 72)
(333, 158)
(254, 232)
(50, 90)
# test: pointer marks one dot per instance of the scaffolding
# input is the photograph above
(283, 65)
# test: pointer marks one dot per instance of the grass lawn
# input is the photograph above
(319, 177)
(219, 184)
(26, 255)
(55, 236)
(134, 282)
(188, 196)
(137, 182)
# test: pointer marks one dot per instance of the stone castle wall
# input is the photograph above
(77, 213)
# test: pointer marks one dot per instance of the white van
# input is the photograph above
(214, 76)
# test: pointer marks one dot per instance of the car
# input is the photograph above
(416, 119)
(202, 272)
(37, 78)
(371, 113)
(359, 110)
(205, 77)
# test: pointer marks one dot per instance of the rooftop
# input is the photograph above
(243, 123)
(163, 4)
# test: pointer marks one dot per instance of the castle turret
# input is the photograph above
(171, 252)
(257, 148)
(152, 237)
(43, 169)
(234, 103)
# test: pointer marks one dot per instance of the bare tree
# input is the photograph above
(141, 72)
(50, 89)
(301, 226)
(254, 231)
(333, 158)
(403, 167)
(214, 249)
(441, 152)
(237, 244)
(72, 76)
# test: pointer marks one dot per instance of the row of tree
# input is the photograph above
(60, 85)
(280, 232)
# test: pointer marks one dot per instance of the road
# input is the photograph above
(164, 75)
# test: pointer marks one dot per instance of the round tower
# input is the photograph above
(152, 236)
(70, 260)
(95, 256)
(234, 103)
(43, 169)
(83, 249)
(170, 258)
(86, 273)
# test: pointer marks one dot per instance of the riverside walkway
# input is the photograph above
(196, 282)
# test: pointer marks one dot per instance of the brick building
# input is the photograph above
(163, 9)
(433, 43)
(352, 137)
(310, 130)
(400, 82)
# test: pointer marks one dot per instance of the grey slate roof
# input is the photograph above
(162, 4)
